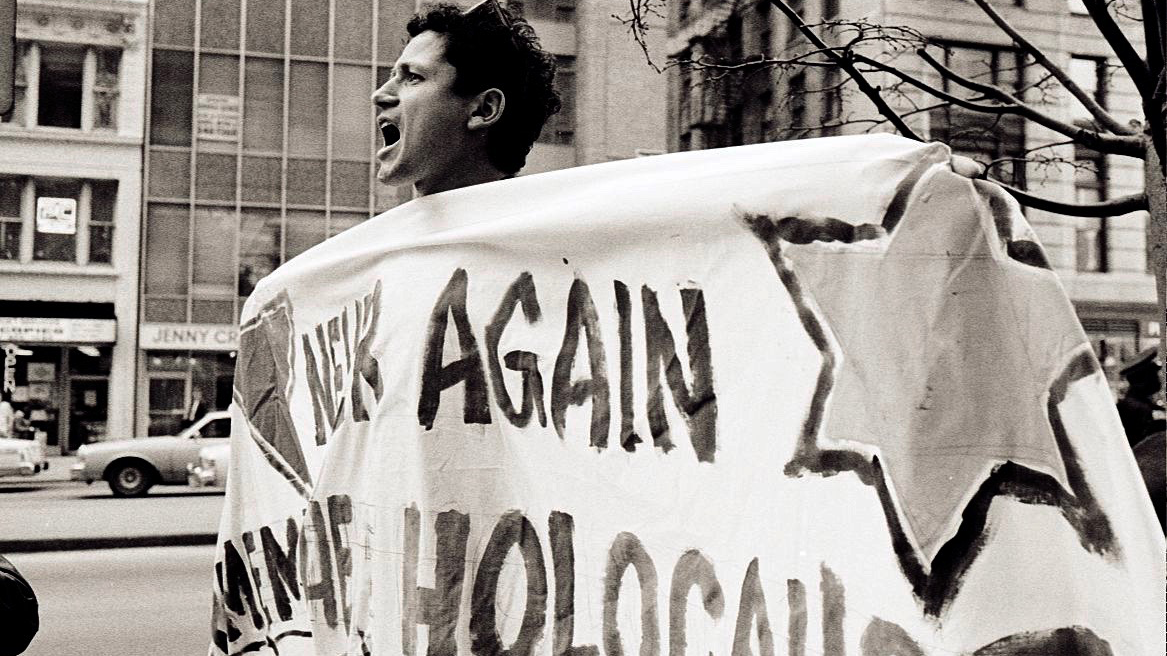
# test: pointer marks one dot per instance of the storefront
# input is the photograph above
(57, 371)
(187, 370)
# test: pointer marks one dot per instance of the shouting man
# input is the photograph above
(466, 99)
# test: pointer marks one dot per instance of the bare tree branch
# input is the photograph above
(871, 92)
(1104, 118)
(1131, 146)
(1135, 66)
(1112, 207)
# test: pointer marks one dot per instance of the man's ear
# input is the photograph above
(487, 109)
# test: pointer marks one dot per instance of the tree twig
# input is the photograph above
(1103, 117)
(868, 90)
(1135, 66)
(1131, 146)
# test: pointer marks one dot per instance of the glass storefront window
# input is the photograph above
(90, 360)
(175, 377)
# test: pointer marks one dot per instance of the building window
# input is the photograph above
(560, 128)
(556, 10)
(57, 220)
(1090, 171)
(11, 221)
(65, 86)
(996, 141)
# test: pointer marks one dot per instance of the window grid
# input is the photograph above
(333, 204)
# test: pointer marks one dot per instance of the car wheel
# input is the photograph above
(130, 479)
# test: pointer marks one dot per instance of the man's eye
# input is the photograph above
(413, 77)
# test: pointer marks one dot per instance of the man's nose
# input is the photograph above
(386, 94)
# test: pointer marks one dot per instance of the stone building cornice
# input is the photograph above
(116, 23)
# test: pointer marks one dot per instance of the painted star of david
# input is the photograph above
(941, 386)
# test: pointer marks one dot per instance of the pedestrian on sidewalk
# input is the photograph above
(19, 616)
(6, 416)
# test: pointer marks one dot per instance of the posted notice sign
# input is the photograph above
(817, 397)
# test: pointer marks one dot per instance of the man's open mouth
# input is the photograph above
(390, 133)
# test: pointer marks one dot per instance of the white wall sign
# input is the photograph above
(56, 215)
(217, 117)
(58, 330)
(188, 337)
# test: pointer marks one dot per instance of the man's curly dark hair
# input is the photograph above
(492, 47)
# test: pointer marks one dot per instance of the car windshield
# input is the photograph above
(219, 427)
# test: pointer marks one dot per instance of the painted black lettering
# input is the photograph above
(281, 567)
(581, 312)
(699, 405)
(692, 569)
(883, 638)
(512, 529)
(249, 547)
(435, 378)
(320, 385)
(627, 550)
(321, 589)
(561, 529)
(796, 626)
(833, 613)
(520, 293)
(628, 437)
(436, 607)
(365, 366)
(751, 611)
(238, 592)
(340, 514)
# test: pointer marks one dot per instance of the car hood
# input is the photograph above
(136, 444)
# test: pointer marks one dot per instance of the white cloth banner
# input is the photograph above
(815, 397)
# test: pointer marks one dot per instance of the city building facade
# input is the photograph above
(70, 198)
(260, 142)
(1102, 262)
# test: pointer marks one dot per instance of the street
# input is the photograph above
(121, 602)
(115, 601)
(34, 510)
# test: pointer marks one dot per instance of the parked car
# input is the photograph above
(133, 466)
(210, 470)
(21, 457)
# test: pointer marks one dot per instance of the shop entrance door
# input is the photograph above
(88, 411)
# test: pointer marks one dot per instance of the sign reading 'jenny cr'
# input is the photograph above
(702, 403)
